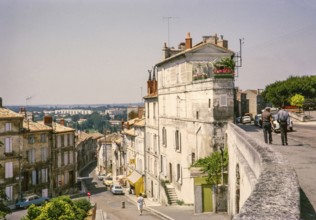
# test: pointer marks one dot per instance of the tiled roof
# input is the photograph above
(7, 113)
(82, 136)
(58, 128)
(130, 132)
(35, 126)
(140, 122)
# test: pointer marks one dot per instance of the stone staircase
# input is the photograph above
(171, 194)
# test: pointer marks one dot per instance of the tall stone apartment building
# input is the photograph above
(189, 114)
(151, 141)
(11, 143)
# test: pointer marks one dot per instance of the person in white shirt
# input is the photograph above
(283, 119)
(140, 203)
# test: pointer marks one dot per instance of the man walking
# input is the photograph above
(283, 120)
(266, 124)
(140, 203)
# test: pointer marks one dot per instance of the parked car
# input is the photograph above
(258, 120)
(101, 176)
(26, 201)
(245, 119)
(117, 190)
(108, 180)
(276, 125)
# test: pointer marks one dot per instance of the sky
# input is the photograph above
(100, 51)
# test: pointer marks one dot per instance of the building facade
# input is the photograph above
(195, 104)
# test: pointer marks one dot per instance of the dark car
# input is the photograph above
(27, 201)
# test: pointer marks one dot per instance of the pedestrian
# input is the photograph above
(266, 124)
(283, 119)
(140, 203)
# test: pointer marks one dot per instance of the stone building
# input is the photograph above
(195, 103)
(11, 146)
(151, 141)
(36, 158)
(63, 162)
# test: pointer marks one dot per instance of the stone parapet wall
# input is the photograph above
(261, 183)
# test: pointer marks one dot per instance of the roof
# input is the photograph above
(151, 96)
(35, 126)
(58, 128)
(130, 132)
(140, 122)
(195, 48)
(7, 113)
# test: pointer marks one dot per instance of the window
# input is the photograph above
(66, 158)
(31, 156)
(59, 180)
(58, 141)
(43, 138)
(192, 158)
(66, 140)
(197, 114)
(44, 192)
(66, 177)
(178, 173)
(8, 126)
(44, 154)
(155, 144)
(154, 111)
(8, 170)
(9, 192)
(223, 100)
(62, 142)
(71, 159)
(178, 140)
(59, 160)
(31, 139)
(8, 145)
(209, 103)
(44, 175)
(164, 137)
(148, 110)
(34, 177)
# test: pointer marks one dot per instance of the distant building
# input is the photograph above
(73, 112)
(250, 102)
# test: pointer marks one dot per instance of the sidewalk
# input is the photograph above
(176, 212)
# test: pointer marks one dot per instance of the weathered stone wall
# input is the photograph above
(261, 182)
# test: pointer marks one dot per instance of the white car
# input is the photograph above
(117, 190)
(101, 176)
(245, 119)
(276, 126)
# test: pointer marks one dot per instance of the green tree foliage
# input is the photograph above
(132, 115)
(297, 100)
(212, 165)
(59, 208)
(280, 92)
(225, 62)
(4, 209)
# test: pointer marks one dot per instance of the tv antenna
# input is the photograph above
(239, 55)
(168, 21)
(27, 99)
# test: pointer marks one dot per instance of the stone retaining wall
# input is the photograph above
(261, 182)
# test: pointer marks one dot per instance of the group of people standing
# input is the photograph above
(282, 118)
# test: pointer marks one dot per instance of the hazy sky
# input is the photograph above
(99, 51)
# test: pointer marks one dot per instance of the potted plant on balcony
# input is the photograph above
(224, 68)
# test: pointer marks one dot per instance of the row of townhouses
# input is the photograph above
(189, 101)
(42, 157)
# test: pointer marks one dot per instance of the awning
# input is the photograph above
(134, 177)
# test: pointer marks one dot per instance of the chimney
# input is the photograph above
(149, 83)
(188, 41)
(1, 102)
(140, 112)
(23, 112)
(165, 51)
(62, 122)
(48, 120)
(222, 43)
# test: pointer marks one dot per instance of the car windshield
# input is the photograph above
(117, 187)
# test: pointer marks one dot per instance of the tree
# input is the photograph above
(212, 165)
(4, 209)
(279, 93)
(59, 208)
(297, 100)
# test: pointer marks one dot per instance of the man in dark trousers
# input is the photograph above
(266, 124)
(283, 120)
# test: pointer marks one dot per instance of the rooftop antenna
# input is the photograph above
(27, 99)
(239, 55)
(168, 20)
